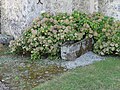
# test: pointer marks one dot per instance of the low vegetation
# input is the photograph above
(20, 73)
(103, 75)
(49, 32)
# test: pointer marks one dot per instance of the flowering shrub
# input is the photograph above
(46, 35)
(106, 34)
(49, 32)
(109, 40)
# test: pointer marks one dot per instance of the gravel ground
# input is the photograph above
(83, 60)
(3, 86)
(9, 65)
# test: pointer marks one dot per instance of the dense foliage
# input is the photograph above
(109, 41)
(49, 32)
(106, 33)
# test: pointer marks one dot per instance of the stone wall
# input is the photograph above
(86, 6)
(17, 15)
(57, 6)
(110, 8)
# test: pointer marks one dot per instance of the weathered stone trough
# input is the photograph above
(71, 51)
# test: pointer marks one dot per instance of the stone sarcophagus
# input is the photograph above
(71, 50)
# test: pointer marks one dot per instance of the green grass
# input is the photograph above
(103, 75)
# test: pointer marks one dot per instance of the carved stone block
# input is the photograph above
(71, 51)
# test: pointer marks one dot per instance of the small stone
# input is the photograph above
(65, 69)
(26, 73)
(22, 64)
(5, 39)
(2, 80)
(46, 72)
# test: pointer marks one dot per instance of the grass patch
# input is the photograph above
(103, 75)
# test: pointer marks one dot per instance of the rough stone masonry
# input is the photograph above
(71, 51)
(17, 15)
